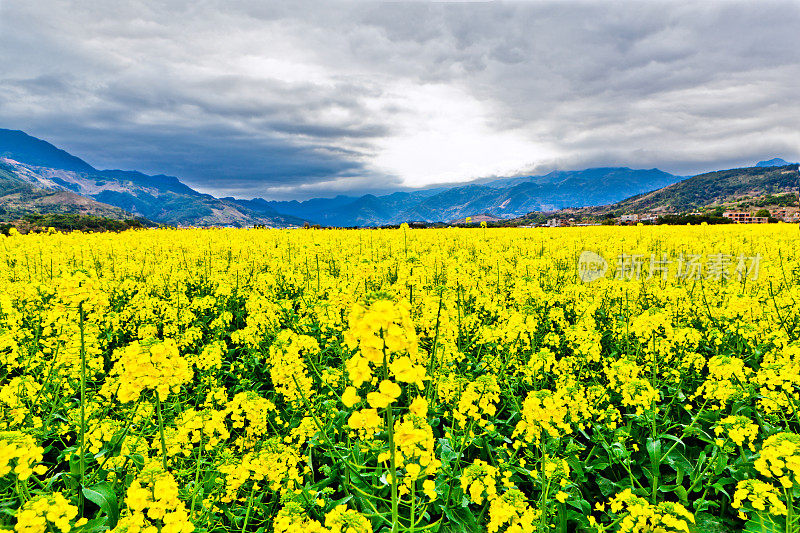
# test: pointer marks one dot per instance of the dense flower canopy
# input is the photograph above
(390, 380)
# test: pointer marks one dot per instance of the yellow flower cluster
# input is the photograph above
(779, 380)
(37, 515)
(479, 480)
(249, 413)
(638, 515)
(513, 511)
(192, 427)
(288, 368)
(415, 447)
(543, 411)
(379, 332)
(728, 379)
(210, 357)
(153, 505)
(275, 465)
(344, 520)
(760, 495)
(739, 429)
(478, 402)
(292, 518)
(780, 458)
(154, 366)
(19, 454)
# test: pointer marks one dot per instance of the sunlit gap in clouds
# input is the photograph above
(445, 135)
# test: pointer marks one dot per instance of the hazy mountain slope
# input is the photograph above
(367, 210)
(304, 209)
(609, 176)
(554, 191)
(507, 197)
(348, 210)
(776, 162)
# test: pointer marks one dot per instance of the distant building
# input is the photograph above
(555, 222)
(476, 219)
(636, 217)
(741, 217)
(787, 215)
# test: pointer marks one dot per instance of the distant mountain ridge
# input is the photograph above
(20, 146)
(776, 162)
(506, 198)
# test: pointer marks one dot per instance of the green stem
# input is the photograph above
(197, 476)
(413, 503)
(161, 432)
(82, 458)
(249, 507)
(392, 463)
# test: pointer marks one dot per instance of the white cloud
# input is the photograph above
(444, 135)
(256, 98)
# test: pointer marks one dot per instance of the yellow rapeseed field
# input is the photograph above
(474, 379)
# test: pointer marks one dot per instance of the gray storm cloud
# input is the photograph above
(307, 99)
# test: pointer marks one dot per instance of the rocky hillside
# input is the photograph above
(721, 187)
(162, 199)
(19, 198)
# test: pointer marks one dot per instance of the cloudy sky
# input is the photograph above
(300, 99)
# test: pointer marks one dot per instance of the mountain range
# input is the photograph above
(36, 176)
(505, 198)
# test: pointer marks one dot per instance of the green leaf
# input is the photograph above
(764, 523)
(707, 523)
(678, 462)
(674, 439)
(607, 487)
(136, 459)
(94, 525)
(337, 503)
(582, 505)
(74, 465)
(654, 451)
(721, 488)
(103, 495)
(446, 452)
(721, 463)
(462, 520)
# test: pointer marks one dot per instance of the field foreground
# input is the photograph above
(167, 381)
